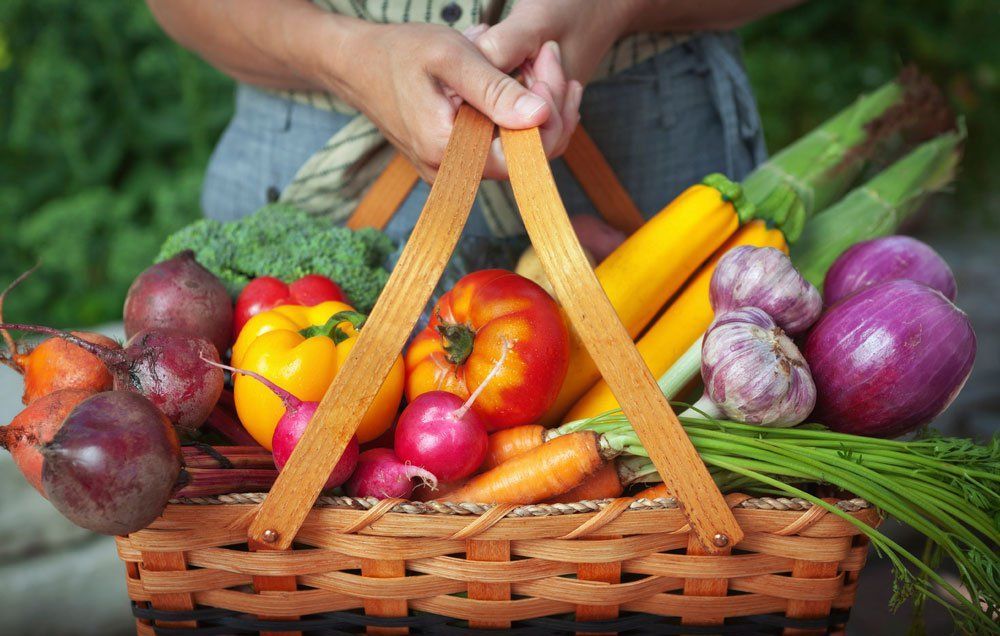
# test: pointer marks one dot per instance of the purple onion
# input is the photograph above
(887, 258)
(764, 277)
(753, 372)
(889, 358)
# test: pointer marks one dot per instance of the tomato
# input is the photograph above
(266, 292)
(486, 312)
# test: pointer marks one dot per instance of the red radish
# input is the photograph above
(380, 474)
(164, 366)
(35, 426)
(266, 292)
(292, 426)
(180, 295)
(440, 433)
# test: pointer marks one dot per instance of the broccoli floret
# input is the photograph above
(282, 241)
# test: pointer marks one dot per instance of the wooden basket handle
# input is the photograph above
(582, 156)
(392, 319)
(409, 287)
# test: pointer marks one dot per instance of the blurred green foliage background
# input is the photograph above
(106, 125)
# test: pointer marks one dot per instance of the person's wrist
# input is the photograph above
(331, 52)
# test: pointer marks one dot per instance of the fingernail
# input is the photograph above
(528, 104)
(552, 44)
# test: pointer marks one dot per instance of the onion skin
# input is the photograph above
(889, 358)
(753, 372)
(887, 258)
(765, 278)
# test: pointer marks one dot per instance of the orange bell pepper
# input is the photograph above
(301, 349)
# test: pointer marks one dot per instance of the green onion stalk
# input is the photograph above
(817, 169)
(947, 489)
(878, 207)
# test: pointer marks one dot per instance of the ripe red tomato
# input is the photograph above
(486, 312)
(267, 292)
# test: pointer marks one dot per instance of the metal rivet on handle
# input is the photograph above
(720, 540)
(269, 536)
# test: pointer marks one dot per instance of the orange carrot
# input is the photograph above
(654, 492)
(606, 483)
(511, 442)
(538, 474)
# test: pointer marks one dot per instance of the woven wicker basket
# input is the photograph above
(294, 562)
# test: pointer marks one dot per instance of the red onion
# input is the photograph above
(765, 278)
(887, 258)
(889, 358)
(753, 372)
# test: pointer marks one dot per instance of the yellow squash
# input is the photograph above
(651, 265)
(684, 321)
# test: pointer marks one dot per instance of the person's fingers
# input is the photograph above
(552, 130)
(570, 115)
(494, 93)
(510, 43)
(547, 67)
(496, 163)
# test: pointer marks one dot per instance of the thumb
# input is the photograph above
(494, 93)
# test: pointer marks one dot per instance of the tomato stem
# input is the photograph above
(458, 341)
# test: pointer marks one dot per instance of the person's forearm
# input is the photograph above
(270, 43)
(701, 15)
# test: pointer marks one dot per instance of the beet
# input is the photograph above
(35, 426)
(57, 364)
(113, 465)
(167, 367)
(181, 295)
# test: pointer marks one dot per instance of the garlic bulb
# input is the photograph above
(765, 278)
(753, 372)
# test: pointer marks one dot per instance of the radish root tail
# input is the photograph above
(505, 347)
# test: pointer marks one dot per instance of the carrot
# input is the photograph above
(511, 442)
(538, 474)
(654, 492)
(606, 483)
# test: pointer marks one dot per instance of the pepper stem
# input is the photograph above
(331, 328)
(458, 341)
(460, 412)
(290, 401)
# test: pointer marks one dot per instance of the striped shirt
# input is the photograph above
(333, 179)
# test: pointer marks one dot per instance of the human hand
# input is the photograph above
(411, 78)
(584, 29)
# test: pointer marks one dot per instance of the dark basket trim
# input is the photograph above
(220, 622)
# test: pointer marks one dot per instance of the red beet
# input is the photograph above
(181, 295)
(35, 426)
(113, 464)
(167, 367)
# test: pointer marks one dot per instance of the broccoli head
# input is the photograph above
(282, 241)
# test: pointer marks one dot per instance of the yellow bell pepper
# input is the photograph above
(301, 350)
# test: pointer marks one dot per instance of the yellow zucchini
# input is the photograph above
(684, 321)
(651, 265)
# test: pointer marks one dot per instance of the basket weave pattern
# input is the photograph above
(495, 566)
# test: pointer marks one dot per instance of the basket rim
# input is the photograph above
(793, 504)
